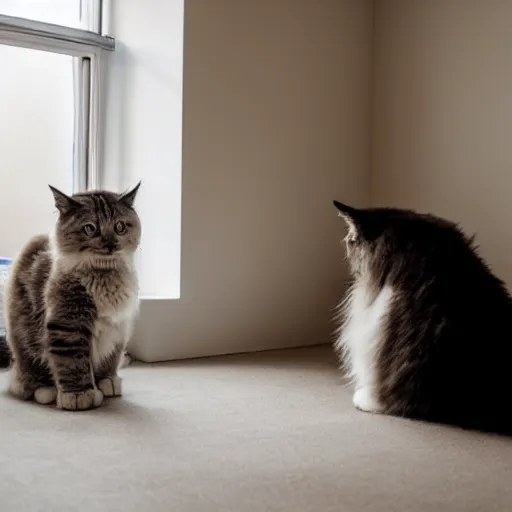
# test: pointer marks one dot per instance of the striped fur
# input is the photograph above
(71, 301)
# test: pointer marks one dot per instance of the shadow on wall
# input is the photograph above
(272, 131)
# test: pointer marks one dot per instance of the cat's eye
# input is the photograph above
(120, 227)
(89, 229)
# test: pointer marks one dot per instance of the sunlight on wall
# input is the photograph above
(144, 131)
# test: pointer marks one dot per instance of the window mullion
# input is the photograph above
(48, 37)
(95, 128)
(82, 73)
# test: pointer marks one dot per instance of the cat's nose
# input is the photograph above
(109, 244)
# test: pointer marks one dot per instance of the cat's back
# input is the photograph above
(446, 344)
(438, 268)
(33, 264)
(28, 277)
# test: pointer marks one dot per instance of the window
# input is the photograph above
(59, 12)
(79, 115)
(51, 55)
(36, 141)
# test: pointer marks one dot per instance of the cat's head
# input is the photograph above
(98, 223)
(379, 239)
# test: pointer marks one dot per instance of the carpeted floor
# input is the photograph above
(264, 432)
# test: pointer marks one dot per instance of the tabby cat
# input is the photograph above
(426, 329)
(71, 301)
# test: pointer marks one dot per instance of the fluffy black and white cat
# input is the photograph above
(426, 329)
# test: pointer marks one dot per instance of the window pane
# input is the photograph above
(36, 141)
(60, 12)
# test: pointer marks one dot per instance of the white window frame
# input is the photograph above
(88, 47)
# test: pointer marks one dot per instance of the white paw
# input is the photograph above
(111, 386)
(45, 395)
(17, 387)
(79, 401)
(364, 399)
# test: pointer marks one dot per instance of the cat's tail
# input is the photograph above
(5, 353)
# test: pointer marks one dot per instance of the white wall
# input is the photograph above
(443, 115)
(275, 125)
(36, 141)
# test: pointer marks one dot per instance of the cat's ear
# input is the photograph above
(64, 203)
(128, 198)
(348, 214)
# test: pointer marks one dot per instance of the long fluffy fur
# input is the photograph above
(445, 334)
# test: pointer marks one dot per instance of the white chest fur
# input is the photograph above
(361, 335)
(116, 297)
(108, 334)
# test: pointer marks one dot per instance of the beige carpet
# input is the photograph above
(263, 432)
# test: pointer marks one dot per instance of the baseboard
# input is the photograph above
(163, 334)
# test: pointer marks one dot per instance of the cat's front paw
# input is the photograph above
(45, 395)
(18, 385)
(80, 401)
(365, 400)
(111, 386)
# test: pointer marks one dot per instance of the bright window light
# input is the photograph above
(36, 141)
(83, 116)
(60, 12)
